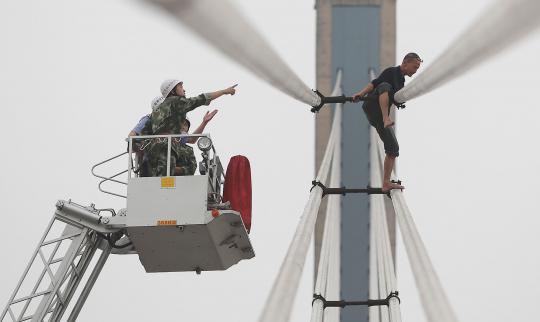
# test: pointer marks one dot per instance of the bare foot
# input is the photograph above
(390, 185)
(388, 122)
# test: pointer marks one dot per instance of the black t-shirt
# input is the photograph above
(392, 76)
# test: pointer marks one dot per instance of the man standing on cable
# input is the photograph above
(377, 111)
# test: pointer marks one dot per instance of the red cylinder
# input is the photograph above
(237, 188)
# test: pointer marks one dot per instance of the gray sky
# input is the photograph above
(76, 76)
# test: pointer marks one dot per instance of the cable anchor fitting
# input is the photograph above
(338, 99)
(329, 99)
(399, 105)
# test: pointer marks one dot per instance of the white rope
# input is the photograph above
(329, 235)
(504, 23)
(223, 26)
(435, 303)
(279, 304)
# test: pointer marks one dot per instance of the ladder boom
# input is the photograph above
(64, 267)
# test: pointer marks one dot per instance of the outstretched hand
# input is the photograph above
(209, 116)
(230, 90)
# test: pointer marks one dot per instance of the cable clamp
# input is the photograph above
(396, 182)
(318, 297)
(316, 183)
(394, 294)
(344, 190)
(317, 108)
(399, 105)
(343, 303)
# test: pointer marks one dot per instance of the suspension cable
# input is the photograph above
(434, 300)
(374, 271)
(334, 266)
(329, 238)
(391, 283)
(280, 301)
(385, 266)
(501, 25)
(234, 36)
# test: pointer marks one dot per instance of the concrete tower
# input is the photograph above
(355, 36)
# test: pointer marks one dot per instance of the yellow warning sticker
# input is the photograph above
(166, 222)
(168, 182)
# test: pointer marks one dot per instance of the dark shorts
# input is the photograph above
(373, 113)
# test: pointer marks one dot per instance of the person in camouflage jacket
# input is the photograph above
(183, 162)
(169, 118)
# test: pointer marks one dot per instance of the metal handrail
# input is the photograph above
(216, 164)
(168, 135)
(110, 179)
(169, 138)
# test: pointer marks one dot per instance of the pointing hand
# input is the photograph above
(230, 90)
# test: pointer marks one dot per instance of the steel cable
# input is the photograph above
(233, 35)
(334, 267)
(501, 25)
(382, 239)
(329, 234)
(280, 301)
(434, 300)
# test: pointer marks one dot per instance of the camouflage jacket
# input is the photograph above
(185, 160)
(182, 157)
(167, 117)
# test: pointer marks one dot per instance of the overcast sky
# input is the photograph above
(76, 76)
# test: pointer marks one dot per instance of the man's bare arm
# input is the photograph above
(363, 92)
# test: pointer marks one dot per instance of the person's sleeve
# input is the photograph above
(383, 77)
(182, 105)
(194, 102)
(142, 123)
